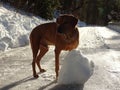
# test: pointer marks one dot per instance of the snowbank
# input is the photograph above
(15, 27)
(76, 69)
(114, 26)
(90, 38)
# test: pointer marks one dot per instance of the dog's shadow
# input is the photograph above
(68, 87)
(54, 86)
(11, 85)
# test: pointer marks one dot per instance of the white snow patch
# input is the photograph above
(89, 38)
(106, 32)
(76, 69)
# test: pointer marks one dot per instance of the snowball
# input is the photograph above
(76, 69)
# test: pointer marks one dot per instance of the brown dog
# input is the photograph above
(63, 34)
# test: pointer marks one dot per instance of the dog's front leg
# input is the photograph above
(57, 53)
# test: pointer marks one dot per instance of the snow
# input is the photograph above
(15, 27)
(95, 63)
(107, 33)
(76, 69)
(93, 40)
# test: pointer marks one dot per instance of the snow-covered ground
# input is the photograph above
(101, 45)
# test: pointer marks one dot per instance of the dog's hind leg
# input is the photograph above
(43, 50)
(35, 52)
(35, 47)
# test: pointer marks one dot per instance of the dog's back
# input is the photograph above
(45, 31)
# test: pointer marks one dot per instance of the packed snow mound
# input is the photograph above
(76, 69)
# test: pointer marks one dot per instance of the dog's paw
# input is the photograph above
(42, 70)
(36, 76)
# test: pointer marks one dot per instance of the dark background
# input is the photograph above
(93, 12)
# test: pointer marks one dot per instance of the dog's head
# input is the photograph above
(69, 19)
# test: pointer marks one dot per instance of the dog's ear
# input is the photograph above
(65, 18)
(73, 21)
(61, 19)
